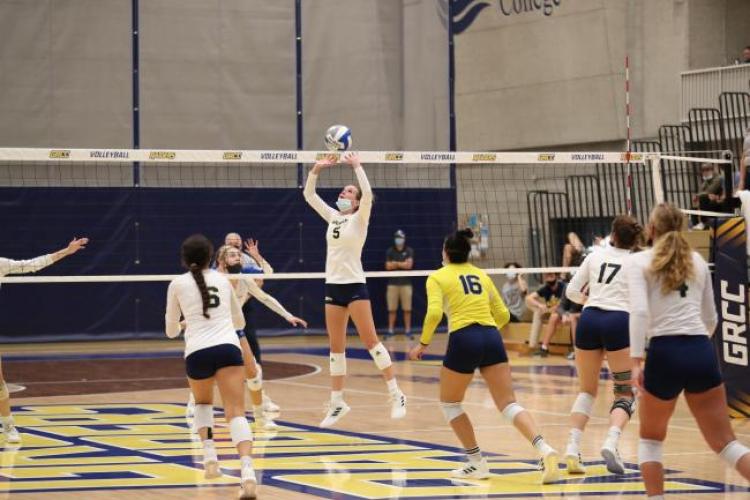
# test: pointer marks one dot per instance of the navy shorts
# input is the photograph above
(600, 329)
(343, 295)
(680, 362)
(204, 363)
(473, 347)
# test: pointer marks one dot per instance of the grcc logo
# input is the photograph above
(734, 326)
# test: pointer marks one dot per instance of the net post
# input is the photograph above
(654, 162)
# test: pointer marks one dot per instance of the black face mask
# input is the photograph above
(234, 269)
(551, 283)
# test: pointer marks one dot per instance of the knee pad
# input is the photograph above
(256, 383)
(622, 388)
(240, 430)
(381, 356)
(338, 364)
(451, 411)
(203, 416)
(732, 453)
(649, 451)
(511, 411)
(259, 368)
(4, 394)
(583, 404)
(625, 404)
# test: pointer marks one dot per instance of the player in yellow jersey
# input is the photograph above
(475, 313)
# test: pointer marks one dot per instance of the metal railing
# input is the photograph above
(700, 88)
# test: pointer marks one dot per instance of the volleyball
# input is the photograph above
(338, 138)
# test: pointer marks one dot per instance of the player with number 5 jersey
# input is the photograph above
(346, 288)
(475, 313)
(603, 331)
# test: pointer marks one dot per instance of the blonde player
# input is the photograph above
(212, 315)
(475, 313)
(672, 305)
(8, 266)
(603, 330)
(229, 261)
(346, 289)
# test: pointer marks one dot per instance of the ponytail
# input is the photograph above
(672, 263)
(196, 254)
(197, 273)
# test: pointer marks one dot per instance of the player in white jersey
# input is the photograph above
(9, 266)
(206, 300)
(346, 289)
(229, 261)
(603, 331)
(672, 307)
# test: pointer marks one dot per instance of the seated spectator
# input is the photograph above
(514, 292)
(745, 55)
(545, 302)
(711, 194)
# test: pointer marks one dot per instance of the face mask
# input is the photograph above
(344, 204)
(234, 268)
(399, 242)
(551, 283)
(512, 276)
(707, 177)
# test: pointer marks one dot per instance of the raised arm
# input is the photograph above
(365, 203)
(9, 266)
(238, 319)
(172, 316)
(574, 290)
(271, 303)
(311, 197)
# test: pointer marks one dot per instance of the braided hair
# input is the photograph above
(196, 254)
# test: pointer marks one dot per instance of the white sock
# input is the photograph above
(7, 422)
(613, 436)
(337, 396)
(393, 386)
(474, 455)
(209, 451)
(541, 446)
(247, 462)
(257, 411)
(574, 442)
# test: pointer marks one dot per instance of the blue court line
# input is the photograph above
(351, 353)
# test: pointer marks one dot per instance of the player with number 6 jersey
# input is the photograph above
(475, 313)
(603, 330)
(346, 288)
(206, 300)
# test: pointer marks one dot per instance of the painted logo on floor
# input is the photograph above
(100, 447)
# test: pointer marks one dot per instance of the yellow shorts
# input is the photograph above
(398, 293)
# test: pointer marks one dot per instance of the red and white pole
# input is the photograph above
(629, 173)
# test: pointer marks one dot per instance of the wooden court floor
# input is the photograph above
(137, 444)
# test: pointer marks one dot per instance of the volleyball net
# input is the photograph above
(138, 205)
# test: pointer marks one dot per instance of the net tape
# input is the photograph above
(273, 276)
(259, 156)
